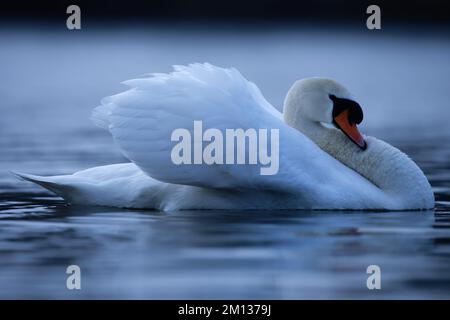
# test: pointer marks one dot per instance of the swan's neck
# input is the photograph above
(382, 164)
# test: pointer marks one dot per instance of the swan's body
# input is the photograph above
(319, 167)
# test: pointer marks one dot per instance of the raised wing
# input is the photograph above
(143, 120)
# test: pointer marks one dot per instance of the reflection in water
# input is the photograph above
(202, 254)
(206, 254)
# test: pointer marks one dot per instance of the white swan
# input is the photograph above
(324, 162)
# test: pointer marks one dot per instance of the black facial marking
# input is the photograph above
(355, 113)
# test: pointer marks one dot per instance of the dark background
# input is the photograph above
(250, 11)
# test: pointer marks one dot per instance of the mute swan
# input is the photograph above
(324, 162)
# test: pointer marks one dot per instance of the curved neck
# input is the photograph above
(384, 165)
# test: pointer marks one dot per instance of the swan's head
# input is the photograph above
(324, 101)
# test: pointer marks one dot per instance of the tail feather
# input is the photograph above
(55, 184)
(117, 185)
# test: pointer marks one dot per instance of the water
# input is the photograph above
(52, 79)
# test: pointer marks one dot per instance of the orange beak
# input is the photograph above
(350, 129)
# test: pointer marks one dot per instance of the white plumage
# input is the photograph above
(319, 168)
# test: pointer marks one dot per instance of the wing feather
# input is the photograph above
(142, 119)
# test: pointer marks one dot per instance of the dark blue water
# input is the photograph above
(51, 81)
